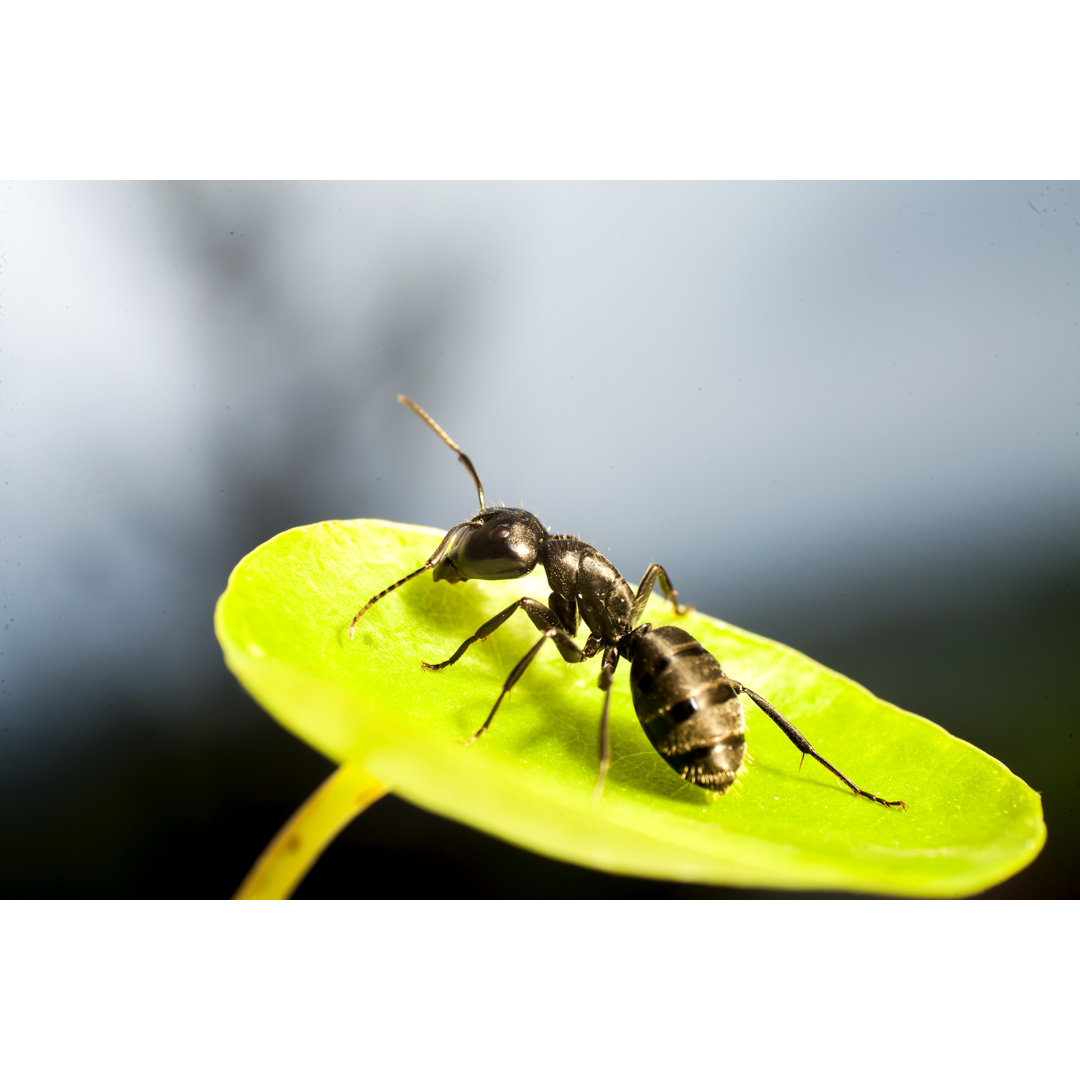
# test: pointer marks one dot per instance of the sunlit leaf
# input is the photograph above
(283, 625)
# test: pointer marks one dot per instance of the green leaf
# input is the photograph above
(283, 625)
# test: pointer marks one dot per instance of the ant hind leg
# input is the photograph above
(803, 744)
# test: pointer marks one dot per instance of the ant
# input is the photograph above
(689, 708)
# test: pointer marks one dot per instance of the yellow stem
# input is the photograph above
(306, 835)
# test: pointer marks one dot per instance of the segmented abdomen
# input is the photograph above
(688, 707)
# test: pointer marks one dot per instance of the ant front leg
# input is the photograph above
(655, 574)
(803, 744)
(543, 618)
(571, 652)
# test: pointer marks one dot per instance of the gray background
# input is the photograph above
(843, 415)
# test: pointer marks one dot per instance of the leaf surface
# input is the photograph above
(283, 625)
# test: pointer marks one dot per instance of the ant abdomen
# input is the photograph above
(689, 708)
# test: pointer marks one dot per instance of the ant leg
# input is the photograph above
(571, 652)
(607, 677)
(519, 670)
(645, 588)
(542, 618)
(802, 744)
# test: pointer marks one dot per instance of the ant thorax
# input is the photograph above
(580, 574)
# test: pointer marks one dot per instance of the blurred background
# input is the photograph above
(844, 415)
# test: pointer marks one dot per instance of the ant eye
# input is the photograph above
(500, 532)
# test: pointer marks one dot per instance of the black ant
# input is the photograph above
(689, 708)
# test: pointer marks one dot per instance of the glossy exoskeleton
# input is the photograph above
(690, 710)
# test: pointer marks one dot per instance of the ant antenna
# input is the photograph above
(436, 555)
(462, 456)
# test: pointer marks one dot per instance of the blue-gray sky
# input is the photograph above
(769, 388)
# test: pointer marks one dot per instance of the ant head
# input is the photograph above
(496, 544)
